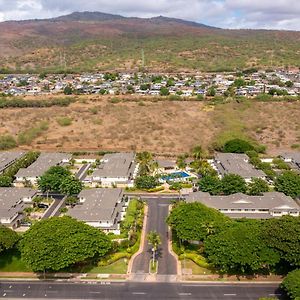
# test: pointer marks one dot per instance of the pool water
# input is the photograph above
(175, 175)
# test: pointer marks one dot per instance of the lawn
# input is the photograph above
(118, 267)
(196, 270)
(10, 261)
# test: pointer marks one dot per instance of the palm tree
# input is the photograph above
(154, 240)
(145, 159)
(181, 163)
(197, 152)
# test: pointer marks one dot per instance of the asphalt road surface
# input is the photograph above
(158, 210)
(128, 290)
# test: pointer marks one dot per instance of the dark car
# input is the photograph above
(42, 205)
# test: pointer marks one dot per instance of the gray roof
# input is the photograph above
(232, 163)
(294, 157)
(99, 205)
(44, 162)
(269, 201)
(164, 163)
(116, 165)
(11, 200)
(7, 158)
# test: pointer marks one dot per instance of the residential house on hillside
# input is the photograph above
(236, 206)
(12, 203)
(101, 208)
(232, 163)
(117, 169)
(44, 162)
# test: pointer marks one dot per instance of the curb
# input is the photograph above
(170, 248)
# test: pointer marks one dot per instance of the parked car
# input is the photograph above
(42, 205)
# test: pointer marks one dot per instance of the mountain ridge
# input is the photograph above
(95, 41)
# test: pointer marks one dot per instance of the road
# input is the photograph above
(129, 290)
(58, 202)
(158, 209)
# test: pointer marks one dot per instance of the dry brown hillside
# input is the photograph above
(161, 127)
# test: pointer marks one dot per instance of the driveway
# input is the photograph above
(158, 209)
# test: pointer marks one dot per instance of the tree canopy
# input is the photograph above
(237, 146)
(291, 284)
(232, 183)
(8, 238)
(283, 235)
(57, 243)
(240, 248)
(288, 183)
(59, 179)
(257, 187)
(146, 182)
(195, 221)
(71, 186)
(211, 184)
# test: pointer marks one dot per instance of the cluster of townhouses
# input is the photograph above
(103, 202)
(152, 84)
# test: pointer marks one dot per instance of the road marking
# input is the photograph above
(201, 285)
(184, 294)
(4, 294)
(229, 294)
(138, 293)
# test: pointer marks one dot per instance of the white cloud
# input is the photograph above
(278, 14)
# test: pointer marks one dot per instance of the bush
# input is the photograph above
(157, 189)
(115, 100)
(26, 137)
(196, 258)
(291, 284)
(110, 259)
(237, 146)
(7, 142)
(64, 121)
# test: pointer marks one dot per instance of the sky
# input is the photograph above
(265, 14)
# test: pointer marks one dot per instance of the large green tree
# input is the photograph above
(146, 182)
(291, 284)
(210, 184)
(52, 179)
(257, 187)
(56, 243)
(195, 221)
(8, 238)
(288, 183)
(70, 186)
(240, 249)
(237, 146)
(283, 235)
(232, 183)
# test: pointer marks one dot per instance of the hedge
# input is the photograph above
(196, 258)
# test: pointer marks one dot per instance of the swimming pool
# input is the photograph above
(176, 175)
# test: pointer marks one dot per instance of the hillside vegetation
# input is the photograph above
(107, 42)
